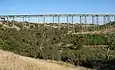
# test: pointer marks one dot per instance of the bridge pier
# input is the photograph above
(85, 19)
(58, 21)
(67, 20)
(13, 20)
(72, 19)
(44, 20)
(104, 19)
(7, 20)
(53, 20)
(38, 19)
(114, 18)
(108, 19)
(43, 17)
(80, 20)
(97, 19)
(92, 19)
(23, 19)
(73, 25)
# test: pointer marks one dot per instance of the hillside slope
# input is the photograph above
(48, 42)
(86, 29)
(10, 61)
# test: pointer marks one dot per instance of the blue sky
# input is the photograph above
(56, 6)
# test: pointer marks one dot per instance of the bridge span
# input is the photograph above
(63, 18)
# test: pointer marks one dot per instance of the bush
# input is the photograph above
(68, 55)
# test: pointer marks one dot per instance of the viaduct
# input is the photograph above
(69, 18)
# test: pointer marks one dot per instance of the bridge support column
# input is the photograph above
(44, 20)
(58, 22)
(29, 22)
(104, 19)
(97, 19)
(7, 21)
(23, 19)
(108, 18)
(80, 20)
(73, 25)
(85, 28)
(53, 19)
(92, 19)
(81, 23)
(67, 19)
(72, 19)
(85, 19)
(114, 18)
(38, 19)
(13, 20)
(23, 22)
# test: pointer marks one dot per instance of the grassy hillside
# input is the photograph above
(10, 61)
(50, 42)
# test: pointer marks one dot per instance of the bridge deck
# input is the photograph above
(57, 15)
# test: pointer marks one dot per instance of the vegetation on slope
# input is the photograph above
(45, 42)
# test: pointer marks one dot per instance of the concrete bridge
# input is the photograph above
(67, 18)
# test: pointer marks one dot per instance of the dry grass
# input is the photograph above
(10, 61)
(102, 31)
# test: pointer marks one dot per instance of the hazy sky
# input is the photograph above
(56, 6)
